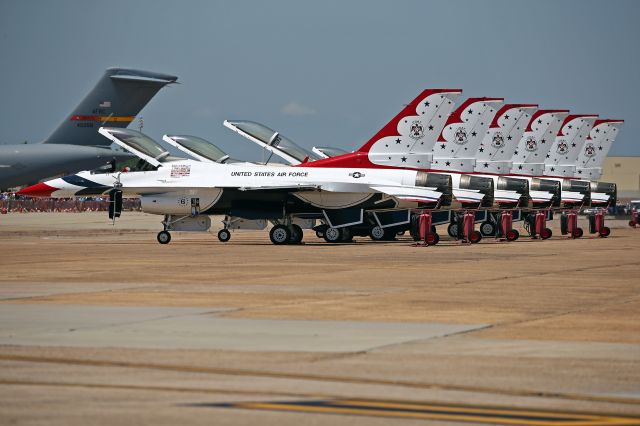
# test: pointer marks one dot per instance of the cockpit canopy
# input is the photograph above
(199, 148)
(272, 140)
(137, 143)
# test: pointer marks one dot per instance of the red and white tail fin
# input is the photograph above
(570, 140)
(462, 134)
(405, 141)
(595, 150)
(501, 140)
(535, 143)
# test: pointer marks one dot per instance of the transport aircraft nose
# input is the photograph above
(37, 190)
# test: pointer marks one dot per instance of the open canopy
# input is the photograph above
(198, 148)
(137, 143)
(272, 141)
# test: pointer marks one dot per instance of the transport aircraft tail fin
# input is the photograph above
(116, 99)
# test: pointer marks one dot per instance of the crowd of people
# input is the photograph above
(12, 203)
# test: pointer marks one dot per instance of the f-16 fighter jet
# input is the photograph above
(186, 191)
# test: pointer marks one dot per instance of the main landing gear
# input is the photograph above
(164, 237)
(282, 234)
(224, 235)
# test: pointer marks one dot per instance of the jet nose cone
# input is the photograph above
(37, 190)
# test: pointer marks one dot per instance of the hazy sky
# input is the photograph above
(322, 72)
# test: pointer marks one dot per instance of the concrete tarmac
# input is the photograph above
(101, 324)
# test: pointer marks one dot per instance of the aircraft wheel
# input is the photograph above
(347, 235)
(512, 235)
(280, 234)
(296, 234)
(578, 233)
(319, 234)
(475, 237)
(546, 234)
(224, 235)
(452, 230)
(487, 229)
(333, 235)
(433, 239)
(376, 233)
(164, 237)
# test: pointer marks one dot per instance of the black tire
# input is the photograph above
(452, 230)
(546, 233)
(578, 233)
(164, 237)
(347, 235)
(319, 234)
(487, 229)
(433, 239)
(377, 233)
(296, 234)
(224, 235)
(605, 232)
(280, 234)
(333, 235)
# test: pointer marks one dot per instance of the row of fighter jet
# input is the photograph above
(482, 161)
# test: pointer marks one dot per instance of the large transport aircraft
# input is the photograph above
(75, 144)
(187, 191)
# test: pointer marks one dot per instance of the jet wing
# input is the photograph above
(284, 187)
(410, 193)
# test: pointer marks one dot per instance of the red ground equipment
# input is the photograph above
(505, 230)
(635, 218)
(429, 237)
(541, 225)
(466, 228)
(596, 224)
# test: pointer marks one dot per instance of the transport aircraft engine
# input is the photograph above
(479, 183)
(441, 182)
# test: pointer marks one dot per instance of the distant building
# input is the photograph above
(625, 172)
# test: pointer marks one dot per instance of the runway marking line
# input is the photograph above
(415, 410)
(439, 412)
